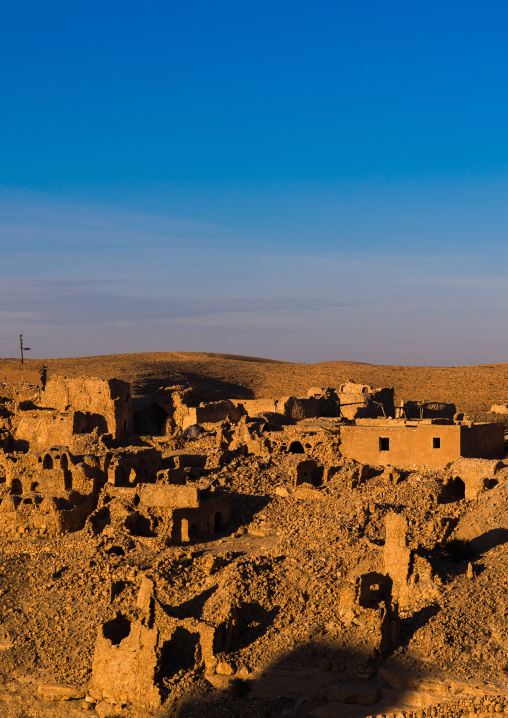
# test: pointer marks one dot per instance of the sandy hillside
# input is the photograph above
(472, 388)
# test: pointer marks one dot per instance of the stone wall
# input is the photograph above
(109, 398)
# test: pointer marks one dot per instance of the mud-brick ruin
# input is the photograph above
(341, 553)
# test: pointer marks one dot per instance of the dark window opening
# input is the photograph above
(296, 448)
(117, 629)
(374, 588)
(384, 443)
(436, 442)
(48, 462)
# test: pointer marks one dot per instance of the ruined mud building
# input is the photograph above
(70, 456)
(74, 456)
(65, 444)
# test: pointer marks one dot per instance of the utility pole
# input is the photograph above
(22, 348)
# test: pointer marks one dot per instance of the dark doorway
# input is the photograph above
(16, 487)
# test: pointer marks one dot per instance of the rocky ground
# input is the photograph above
(285, 561)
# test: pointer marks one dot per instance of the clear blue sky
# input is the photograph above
(296, 180)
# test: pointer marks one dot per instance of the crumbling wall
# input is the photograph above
(425, 410)
(254, 407)
(477, 475)
(362, 401)
(136, 650)
(43, 427)
(54, 471)
(22, 375)
(397, 555)
(38, 515)
(309, 407)
(211, 413)
(248, 437)
(92, 397)
(132, 465)
(368, 613)
(126, 661)
(186, 513)
(411, 574)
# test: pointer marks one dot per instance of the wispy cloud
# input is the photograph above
(85, 302)
(83, 279)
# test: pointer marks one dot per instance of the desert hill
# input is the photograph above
(472, 388)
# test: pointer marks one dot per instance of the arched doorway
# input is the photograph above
(296, 447)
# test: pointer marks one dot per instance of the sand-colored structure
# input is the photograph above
(431, 442)
(293, 547)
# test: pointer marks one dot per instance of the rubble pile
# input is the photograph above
(239, 558)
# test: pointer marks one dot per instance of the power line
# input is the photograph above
(4, 338)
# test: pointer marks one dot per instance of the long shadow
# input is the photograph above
(193, 608)
(313, 680)
(256, 619)
(489, 540)
(208, 388)
(245, 506)
(409, 626)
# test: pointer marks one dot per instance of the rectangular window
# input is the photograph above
(384, 443)
(436, 442)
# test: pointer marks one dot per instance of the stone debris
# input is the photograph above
(331, 554)
(60, 692)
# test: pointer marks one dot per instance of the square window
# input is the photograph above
(384, 443)
(436, 442)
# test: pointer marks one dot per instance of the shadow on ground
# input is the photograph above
(313, 680)
(208, 387)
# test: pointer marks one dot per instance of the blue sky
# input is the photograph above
(297, 180)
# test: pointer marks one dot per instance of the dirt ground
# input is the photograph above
(285, 561)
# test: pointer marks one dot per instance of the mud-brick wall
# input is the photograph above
(212, 413)
(20, 376)
(28, 515)
(100, 397)
(44, 428)
(18, 518)
(189, 524)
(482, 441)
(156, 495)
(126, 662)
(252, 407)
(408, 444)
